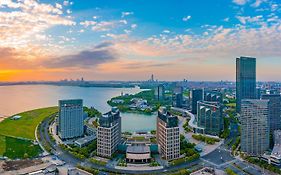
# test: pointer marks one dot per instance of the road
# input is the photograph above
(73, 161)
(220, 158)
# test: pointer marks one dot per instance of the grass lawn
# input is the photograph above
(2, 145)
(231, 105)
(18, 148)
(26, 125)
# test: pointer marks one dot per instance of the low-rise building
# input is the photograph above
(85, 141)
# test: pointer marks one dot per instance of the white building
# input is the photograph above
(70, 120)
(109, 133)
(168, 135)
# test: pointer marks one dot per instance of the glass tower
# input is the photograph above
(245, 80)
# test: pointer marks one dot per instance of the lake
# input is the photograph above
(16, 99)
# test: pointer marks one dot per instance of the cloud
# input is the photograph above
(20, 21)
(84, 59)
(166, 31)
(124, 14)
(240, 2)
(186, 18)
(107, 25)
(12, 58)
(145, 64)
(247, 19)
(257, 3)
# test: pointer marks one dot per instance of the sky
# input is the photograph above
(132, 39)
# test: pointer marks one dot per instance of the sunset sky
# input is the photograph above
(131, 39)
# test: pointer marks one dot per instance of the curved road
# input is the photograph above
(69, 159)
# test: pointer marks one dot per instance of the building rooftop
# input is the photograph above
(107, 119)
(167, 117)
(138, 149)
(85, 140)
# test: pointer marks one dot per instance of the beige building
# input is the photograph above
(109, 133)
(168, 136)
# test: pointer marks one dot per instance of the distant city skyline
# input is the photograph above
(130, 40)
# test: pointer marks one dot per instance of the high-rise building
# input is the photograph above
(209, 116)
(274, 109)
(159, 92)
(213, 95)
(197, 95)
(177, 100)
(71, 118)
(168, 134)
(254, 126)
(109, 133)
(245, 80)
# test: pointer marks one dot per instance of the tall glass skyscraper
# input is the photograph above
(70, 119)
(245, 80)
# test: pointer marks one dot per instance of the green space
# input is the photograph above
(2, 145)
(92, 112)
(208, 140)
(26, 125)
(236, 143)
(89, 169)
(263, 164)
(226, 130)
(145, 95)
(188, 149)
(229, 171)
(81, 153)
(185, 126)
(15, 148)
(98, 162)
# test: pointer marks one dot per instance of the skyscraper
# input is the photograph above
(274, 110)
(209, 116)
(70, 120)
(254, 126)
(159, 92)
(197, 95)
(109, 133)
(168, 134)
(245, 80)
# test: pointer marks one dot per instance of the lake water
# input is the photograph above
(16, 99)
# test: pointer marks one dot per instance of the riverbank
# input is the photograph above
(143, 102)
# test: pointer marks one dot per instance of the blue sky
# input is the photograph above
(131, 39)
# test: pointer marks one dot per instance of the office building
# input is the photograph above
(254, 126)
(213, 96)
(177, 100)
(197, 95)
(245, 80)
(274, 109)
(168, 135)
(159, 92)
(209, 116)
(70, 120)
(109, 133)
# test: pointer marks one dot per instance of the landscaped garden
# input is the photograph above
(208, 140)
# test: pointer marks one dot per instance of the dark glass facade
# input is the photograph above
(245, 80)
